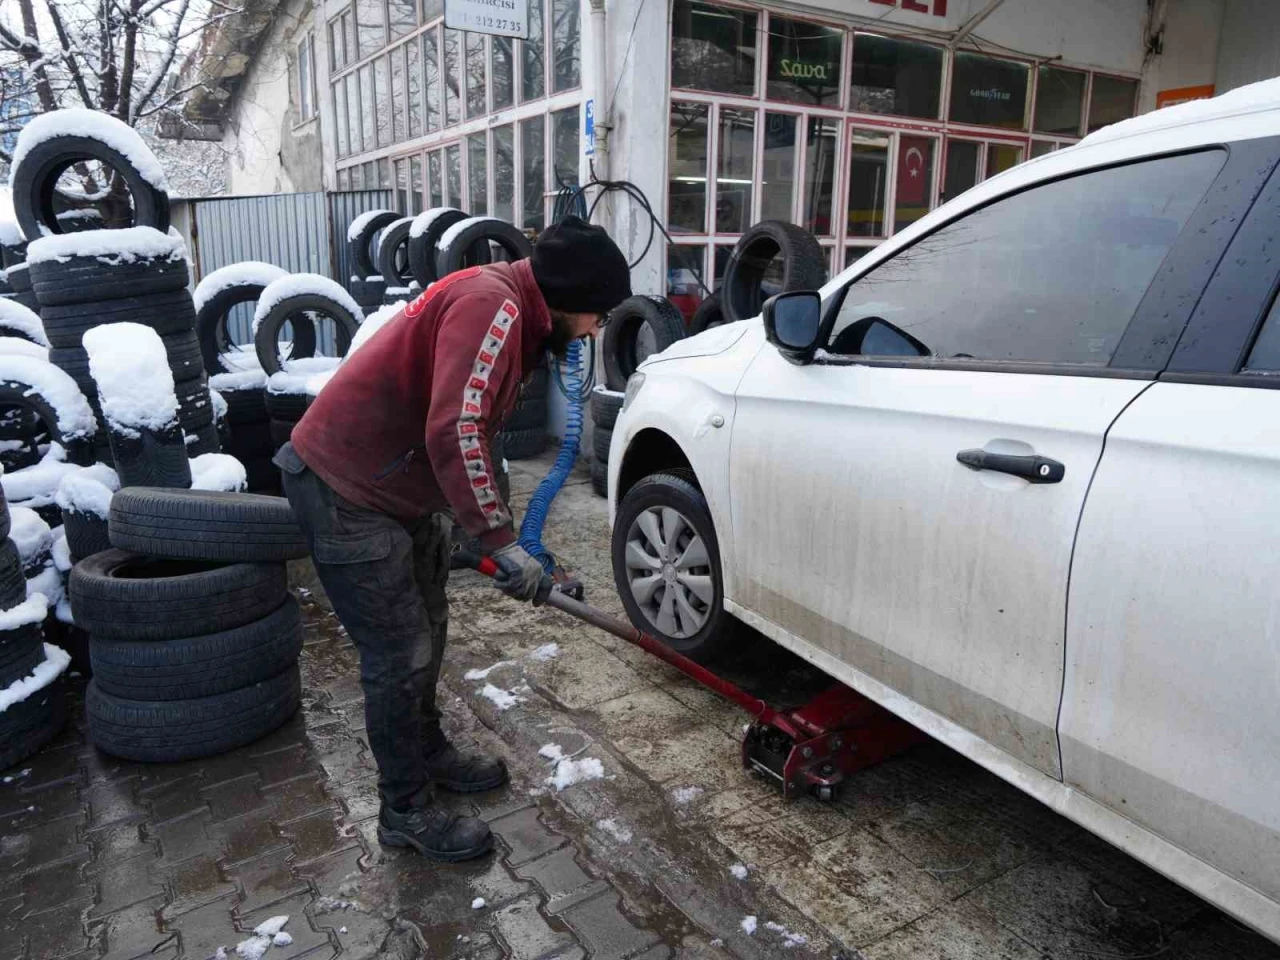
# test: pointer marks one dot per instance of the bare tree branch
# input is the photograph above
(69, 55)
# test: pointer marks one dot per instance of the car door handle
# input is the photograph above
(1031, 469)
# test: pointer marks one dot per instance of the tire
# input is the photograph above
(458, 253)
(359, 247)
(153, 458)
(195, 406)
(206, 525)
(89, 280)
(191, 667)
(601, 438)
(639, 327)
(5, 523)
(211, 325)
(265, 339)
(14, 393)
(367, 293)
(523, 444)
(246, 406)
(422, 248)
(31, 723)
(12, 254)
(165, 313)
(709, 314)
(262, 475)
(162, 731)
(123, 596)
(21, 651)
(250, 440)
(182, 350)
(659, 492)
(287, 407)
(803, 266)
(605, 407)
(19, 276)
(393, 254)
(599, 477)
(86, 534)
(281, 432)
(34, 181)
(207, 440)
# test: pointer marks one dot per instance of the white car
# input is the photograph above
(1016, 477)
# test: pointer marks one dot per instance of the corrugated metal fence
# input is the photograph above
(345, 207)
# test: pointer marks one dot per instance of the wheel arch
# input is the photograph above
(652, 451)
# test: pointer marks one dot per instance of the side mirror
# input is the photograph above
(792, 322)
(875, 336)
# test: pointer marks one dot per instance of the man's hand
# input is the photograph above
(519, 575)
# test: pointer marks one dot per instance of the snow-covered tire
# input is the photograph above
(182, 350)
(195, 406)
(21, 651)
(34, 181)
(165, 731)
(206, 525)
(287, 407)
(123, 596)
(625, 345)
(605, 406)
(422, 248)
(86, 534)
(459, 253)
(189, 667)
(367, 293)
(11, 254)
(31, 723)
(599, 477)
(16, 393)
(246, 406)
(165, 313)
(601, 438)
(523, 444)
(360, 246)
(89, 279)
(803, 266)
(154, 458)
(266, 337)
(709, 314)
(393, 254)
(5, 522)
(19, 321)
(207, 440)
(211, 325)
(13, 583)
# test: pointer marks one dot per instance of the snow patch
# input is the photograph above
(282, 939)
(569, 772)
(238, 380)
(60, 553)
(16, 346)
(106, 129)
(64, 615)
(220, 954)
(548, 651)
(47, 583)
(298, 284)
(29, 611)
(615, 829)
(683, 795)
(253, 948)
(481, 674)
(789, 940)
(477, 903)
(218, 471)
(135, 384)
(423, 221)
(455, 231)
(219, 404)
(109, 246)
(14, 316)
(739, 871)
(360, 222)
(502, 699)
(80, 493)
(55, 661)
(749, 926)
(271, 926)
(246, 272)
(30, 534)
(304, 376)
(75, 418)
(372, 324)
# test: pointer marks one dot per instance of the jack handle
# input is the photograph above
(486, 566)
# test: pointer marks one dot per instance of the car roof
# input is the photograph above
(1246, 113)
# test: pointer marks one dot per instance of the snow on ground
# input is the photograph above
(300, 284)
(548, 651)
(614, 829)
(135, 384)
(568, 772)
(29, 533)
(360, 222)
(80, 122)
(18, 347)
(502, 699)
(75, 418)
(21, 774)
(109, 246)
(482, 674)
(749, 926)
(14, 316)
(424, 220)
(218, 471)
(739, 871)
(789, 940)
(55, 661)
(264, 935)
(683, 795)
(246, 272)
(477, 903)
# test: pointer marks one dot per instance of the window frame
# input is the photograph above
(306, 45)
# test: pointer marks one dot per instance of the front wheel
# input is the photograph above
(666, 564)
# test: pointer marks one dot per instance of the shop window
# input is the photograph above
(804, 62)
(961, 170)
(566, 44)
(853, 254)
(371, 26)
(475, 67)
(435, 180)
(367, 111)
(453, 174)
(402, 186)
(685, 270)
(478, 174)
(415, 89)
(532, 151)
(735, 170)
(1002, 157)
(820, 175)
(344, 180)
(988, 91)
(502, 66)
(913, 191)
(1059, 101)
(306, 78)
(533, 79)
(398, 95)
(504, 173)
(340, 118)
(720, 256)
(432, 9)
(868, 177)
(897, 77)
(415, 186)
(1041, 147)
(402, 17)
(349, 37)
(713, 48)
(687, 163)
(452, 77)
(778, 173)
(431, 73)
(382, 93)
(564, 148)
(1112, 100)
(337, 56)
(352, 83)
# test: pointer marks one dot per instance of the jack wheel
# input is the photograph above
(827, 794)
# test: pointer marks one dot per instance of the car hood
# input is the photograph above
(706, 344)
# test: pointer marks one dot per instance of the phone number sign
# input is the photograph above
(502, 18)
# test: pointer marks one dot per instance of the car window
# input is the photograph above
(1049, 275)
(1265, 355)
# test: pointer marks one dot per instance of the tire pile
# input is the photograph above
(193, 635)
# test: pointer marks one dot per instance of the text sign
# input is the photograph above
(938, 7)
(589, 130)
(502, 18)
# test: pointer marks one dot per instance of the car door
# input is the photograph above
(872, 509)
(1170, 712)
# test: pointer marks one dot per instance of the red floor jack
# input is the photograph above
(810, 749)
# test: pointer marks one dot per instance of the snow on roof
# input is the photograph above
(218, 471)
(452, 233)
(372, 324)
(424, 220)
(106, 129)
(233, 275)
(238, 380)
(75, 418)
(29, 533)
(55, 658)
(14, 316)
(1252, 98)
(303, 283)
(362, 221)
(135, 384)
(81, 493)
(111, 246)
(22, 348)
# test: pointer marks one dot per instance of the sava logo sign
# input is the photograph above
(796, 70)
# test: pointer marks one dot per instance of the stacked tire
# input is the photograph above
(194, 638)
(367, 285)
(638, 327)
(745, 288)
(524, 432)
(606, 404)
(18, 277)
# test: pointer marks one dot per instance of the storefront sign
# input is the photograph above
(797, 70)
(937, 7)
(1170, 98)
(589, 129)
(502, 18)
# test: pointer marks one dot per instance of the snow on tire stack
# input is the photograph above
(366, 284)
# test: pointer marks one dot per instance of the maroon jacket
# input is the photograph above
(403, 427)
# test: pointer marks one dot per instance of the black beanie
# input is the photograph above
(579, 268)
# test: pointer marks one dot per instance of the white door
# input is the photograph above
(862, 520)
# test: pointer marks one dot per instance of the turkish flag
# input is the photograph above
(915, 170)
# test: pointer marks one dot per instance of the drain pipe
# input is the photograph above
(600, 90)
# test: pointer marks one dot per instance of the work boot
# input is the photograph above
(434, 833)
(462, 772)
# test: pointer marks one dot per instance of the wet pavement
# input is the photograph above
(673, 851)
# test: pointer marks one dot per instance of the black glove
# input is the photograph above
(519, 575)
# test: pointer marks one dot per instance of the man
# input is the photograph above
(399, 438)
